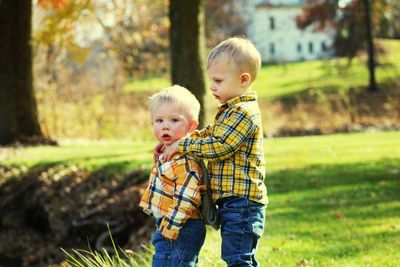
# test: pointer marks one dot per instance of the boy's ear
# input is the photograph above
(193, 125)
(245, 78)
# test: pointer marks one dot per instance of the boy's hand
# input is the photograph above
(169, 151)
(157, 151)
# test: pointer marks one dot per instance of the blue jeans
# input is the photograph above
(181, 252)
(242, 224)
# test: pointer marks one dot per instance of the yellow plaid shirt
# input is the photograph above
(173, 191)
(233, 147)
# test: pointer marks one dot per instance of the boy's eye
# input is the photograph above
(174, 120)
(159, 120)
(217, 80)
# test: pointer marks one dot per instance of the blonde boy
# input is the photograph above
(233, 147)
(173, 193)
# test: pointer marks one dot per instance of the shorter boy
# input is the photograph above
(233, 147)
(173, 192)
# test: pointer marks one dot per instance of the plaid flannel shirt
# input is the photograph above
(173, 191)
(233, 147)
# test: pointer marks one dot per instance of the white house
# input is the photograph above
(272, 27)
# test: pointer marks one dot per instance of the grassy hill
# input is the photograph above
(279, 80)
(330, 75)
(321, 96)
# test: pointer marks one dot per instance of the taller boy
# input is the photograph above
(233, 147)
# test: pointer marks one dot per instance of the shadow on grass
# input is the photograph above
(329, 188)
(321, 177)
(329, 204)
(343, 210)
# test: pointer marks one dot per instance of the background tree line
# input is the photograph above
(143, 38)
(136, 33)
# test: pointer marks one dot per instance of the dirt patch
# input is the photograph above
(49, 208)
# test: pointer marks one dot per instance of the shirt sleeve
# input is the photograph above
(226, 137)
(186, 199)
(201, 133)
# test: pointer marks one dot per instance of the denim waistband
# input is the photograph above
(221, 201)
(158, 221)
(224, 199)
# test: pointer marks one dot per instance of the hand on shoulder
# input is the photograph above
(169, 151)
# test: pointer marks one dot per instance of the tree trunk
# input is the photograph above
(18, 111)
(370, 43)
(187, 43)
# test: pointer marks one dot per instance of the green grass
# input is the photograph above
(276, 81)
(85, 258)
(111, 155)
(145, 85)
(334, 199)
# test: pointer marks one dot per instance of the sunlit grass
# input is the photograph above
(299, 152)
(275, 81)
(147, 85)
(280, 80)
(118, 257)
(334, 199)
(117, 155)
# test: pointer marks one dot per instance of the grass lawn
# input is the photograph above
(275, 81)
(334, 200)
(111, 155)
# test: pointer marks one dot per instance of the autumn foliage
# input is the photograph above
(348, 20)
(55, 4)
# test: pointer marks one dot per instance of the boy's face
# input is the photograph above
(226, 81)
(170, 123)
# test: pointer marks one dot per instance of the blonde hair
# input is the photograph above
(241, 52)
(176, 95)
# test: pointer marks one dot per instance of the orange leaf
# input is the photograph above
(55, 4)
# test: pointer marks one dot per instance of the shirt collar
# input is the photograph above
(177, 156)
(250, 96)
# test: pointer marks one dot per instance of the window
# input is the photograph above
(323, 46)
(272, 48)
(299, 48)
(271, 23)
(310, 47)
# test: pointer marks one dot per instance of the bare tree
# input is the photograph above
(18, 111)
(370, 46)
(353, 27)
(187, 46)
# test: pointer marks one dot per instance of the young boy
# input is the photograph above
(233, 147)
(173, 193)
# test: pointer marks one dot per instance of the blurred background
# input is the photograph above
(76, 138)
